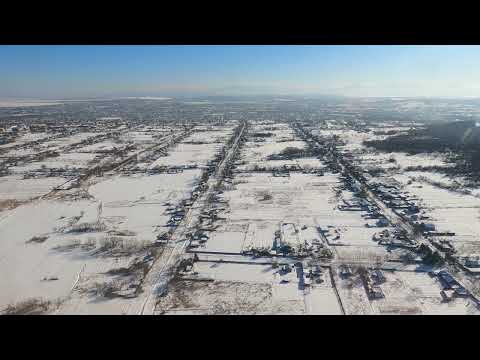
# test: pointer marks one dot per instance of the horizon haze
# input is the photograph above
(69, 72)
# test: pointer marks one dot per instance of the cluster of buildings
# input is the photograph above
(371, 281)
(451, 288)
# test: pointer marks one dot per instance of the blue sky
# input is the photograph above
(88, 71)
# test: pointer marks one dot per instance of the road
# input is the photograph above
(163, 269)
(165, 142)
(455, 270)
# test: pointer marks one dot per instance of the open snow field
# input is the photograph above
(259, 203)
(25, 138)
(400, 161)
(451, 212)
(14, 187)
(405, 293)
(209, 134)
(55, 144)
(261, 151)
(257, 217)
(68, 252)
(146, 135)
(138, 203)
(88, 250)
(106, 145)
(24, 265)
(299, 207)
(228, 288)
(73, 160)
(188, 152)
(132, 206)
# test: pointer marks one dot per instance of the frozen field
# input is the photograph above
(261, 151)
(400, 161)
(73, 160)
(71, 250)
(207, 134)
(137, 204)
(224, 217)
(229, 288)
(14, 187)
(138, 213)
(25, 138)
(106, 145)
(405, 293)
(257, 217)
(55, 144)
(353, 139)
(449, 211)
(188, 152)
(24, 265)
(259, 204)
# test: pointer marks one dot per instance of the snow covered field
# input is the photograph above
(67, 251)
(15, 187)
(247, 289)
(450, 212)
(133, 206)
(405, 293)
(188, 153)
(73, 160)
(399, 161)
(26, 138)
(286, 202)
(260, 241)
(55, 144)
(259, 204)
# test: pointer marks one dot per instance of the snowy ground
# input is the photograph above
(133, 206)
(188, 153)
(247, 289)
(45, 255)
(450, 212)
(16, 188)
(25, 138)
(259, 203)
(72, 248)
(55, 144)
(406, 293)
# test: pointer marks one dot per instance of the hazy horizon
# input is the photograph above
(78, 72)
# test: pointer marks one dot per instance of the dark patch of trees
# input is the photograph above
(262, 135)
(461, 137)
(290, 153)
